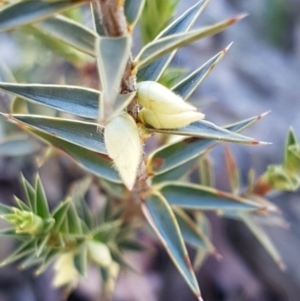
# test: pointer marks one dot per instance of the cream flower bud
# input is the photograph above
(156, 97)
(65, 271)
(124, 146)
(100, 253)
(166, 121)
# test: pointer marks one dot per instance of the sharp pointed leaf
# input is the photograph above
(71, 99)
(204, 198)
(175, 173)
(84, 134)
(173, 160)
(21, 205)
(25, 12)
(191, 232)
(206, 129)
(5, 209)
(133, 10)
(189, 84)
(163, 221)
(42, 245)
(159, 47)
(70, 32)
(96, 163)
(112, 55)
(154, 70)
(24, 249)
(81, 261)
(59, 214)
(30, 193)
(42, 208)
(73, 220)
(233, 173)
(206, 172)
(12, 234)
(263, 238)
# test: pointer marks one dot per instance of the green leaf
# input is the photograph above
(96, 163)
(80, 203)
(18, 145)
(263, 238)
(26, 12)
(173, 160)
(175, 173)
(30, 193)
(70, 32)
(12, 234)
(133, 10)
(192, 196)
(5, 209)
(85, 134)
(191, 232)
(190, 83)
(42, 208)
(112, 57)
(42, 245)
(71, 99)
(21, 205)
(154, 70)
(159, 47)
(206, 129)
(175, 154)
(163, 221)
(291, 160)
(30, 261)
(81, 260)
(73, 220)
(60, 213)
(24, 249)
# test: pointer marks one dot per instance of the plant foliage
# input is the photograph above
(105, 133)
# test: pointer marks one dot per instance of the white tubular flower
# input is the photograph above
(156, 97)
(169, 121)
(99, 253)
(65, 271)
(124, 146)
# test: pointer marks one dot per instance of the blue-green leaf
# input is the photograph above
(163, 221)
(85, 134)
(154, 70)
(70, 32)
(190, 83)
(172, 161)
(191, 232)
(96, 163)
(25, 12)
(133, 10)
(262, 237)
(112, 57)
(18, 145)
(161, 46)
(71, 99)
(205, 198)
(206, 129)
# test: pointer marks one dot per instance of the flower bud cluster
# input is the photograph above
(25, 221)
(162, 109)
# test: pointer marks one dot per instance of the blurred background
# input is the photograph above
(261, 72)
